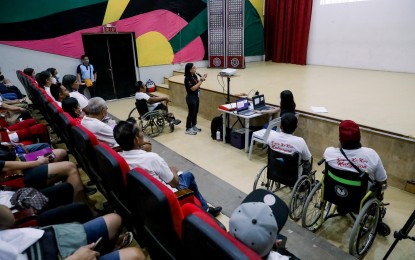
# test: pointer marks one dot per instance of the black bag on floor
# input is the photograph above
(217, 124)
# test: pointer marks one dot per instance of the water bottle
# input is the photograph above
(218, 135)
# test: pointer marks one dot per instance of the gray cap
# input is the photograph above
(254, 224)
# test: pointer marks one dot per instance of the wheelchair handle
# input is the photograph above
(321, 161)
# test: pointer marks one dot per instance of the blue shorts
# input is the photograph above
(95, 229)
(36, 177)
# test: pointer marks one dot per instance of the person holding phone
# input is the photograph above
(192, 85)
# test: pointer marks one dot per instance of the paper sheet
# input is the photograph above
(319, 109)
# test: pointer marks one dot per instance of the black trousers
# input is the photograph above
(193, 108)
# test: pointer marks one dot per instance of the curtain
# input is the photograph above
(287, 25)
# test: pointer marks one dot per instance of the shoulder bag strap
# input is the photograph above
(354, 166)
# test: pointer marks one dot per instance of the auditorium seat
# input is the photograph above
(203, 238)
(160, 212)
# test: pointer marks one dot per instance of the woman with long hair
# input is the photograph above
(287, 104)
(192, 84)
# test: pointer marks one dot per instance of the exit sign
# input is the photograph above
(109, 29)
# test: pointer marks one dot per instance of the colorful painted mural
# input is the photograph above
(166, 31)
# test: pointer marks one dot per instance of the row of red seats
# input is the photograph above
(169, 228)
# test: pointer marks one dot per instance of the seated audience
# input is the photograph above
(64, 241)
(287, 104)
(30, 72)
(131, 139)
(153, 103)
(13, 113)
(255, 225)
(72, 84)
(287, 143)
(55, 75)
(41, 173)
(366, 159)
(93, 121)
(7, 87)
(45, 80)
(59, 207)
(71, 106)
(59, 93)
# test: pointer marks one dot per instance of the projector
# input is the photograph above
(228, 72)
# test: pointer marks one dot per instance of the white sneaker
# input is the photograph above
(196, 129)
(190, 131)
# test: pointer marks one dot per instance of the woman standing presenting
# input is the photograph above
(192, 85)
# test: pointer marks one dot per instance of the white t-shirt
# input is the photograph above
(82, 100)
(365, 158)
(276, 256)
(289, 144)
(13, 242)
(47, 89)
(102, 131)
(151, 162)
(142, 95)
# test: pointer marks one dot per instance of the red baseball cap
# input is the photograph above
(349, 131)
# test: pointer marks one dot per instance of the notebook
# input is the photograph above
(47, 152)
(242, 107)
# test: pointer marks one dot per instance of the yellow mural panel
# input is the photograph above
(259, 6)
(115, 9)
(153, 49)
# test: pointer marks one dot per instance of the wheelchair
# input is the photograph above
(152, 122)
(282, 172)
(348, 191)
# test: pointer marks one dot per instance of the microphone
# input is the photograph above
(198, 74)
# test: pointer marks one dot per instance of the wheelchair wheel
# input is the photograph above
(311, 217)
(262, 182)
(383, 229)
(364, 229)
(133, 113)
(160, 121)
(171, 127)
(150, 128)
(299, 195)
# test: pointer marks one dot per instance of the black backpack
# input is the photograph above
(217, 124)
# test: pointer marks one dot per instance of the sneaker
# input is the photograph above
(176, 121)
(196, 129)
(190, 131)
(214, 211)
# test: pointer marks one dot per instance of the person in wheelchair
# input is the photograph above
(286, 142)
(154, 102)
(366, 159)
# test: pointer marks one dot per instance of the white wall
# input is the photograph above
(375, 34)
(13, 58)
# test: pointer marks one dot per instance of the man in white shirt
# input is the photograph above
(98, 110)
(131, 139)
(364, 158)
(286, 142)
(59, 93)
(153, 103)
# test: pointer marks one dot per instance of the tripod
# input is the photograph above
(402, 234)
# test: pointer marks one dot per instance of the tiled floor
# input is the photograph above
(232, 165)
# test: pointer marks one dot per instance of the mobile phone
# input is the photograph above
(97, 243)
(50, 156)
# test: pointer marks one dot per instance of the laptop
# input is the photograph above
(259, 103)
(242, 107)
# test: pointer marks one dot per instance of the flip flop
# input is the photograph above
(124, 240)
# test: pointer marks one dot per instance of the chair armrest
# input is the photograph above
(184, 193)
(10, 175)
(24, 215)
(117, 149)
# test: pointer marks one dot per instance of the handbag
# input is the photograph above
(25, 198)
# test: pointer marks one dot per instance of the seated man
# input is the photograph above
(364, 158)
(64, 241)
(93, 121)
(154, 103)
(255, 224)
(130, 137)
(7, 87)
(286, 142)
(59, 93)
